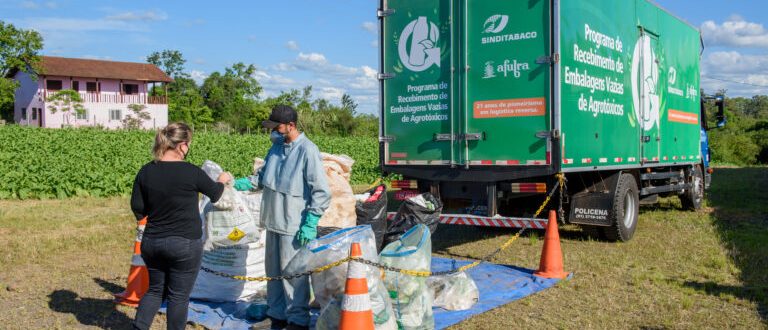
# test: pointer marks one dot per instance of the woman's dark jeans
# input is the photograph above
(173, 263)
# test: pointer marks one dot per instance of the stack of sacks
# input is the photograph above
(234, 244)
(341, 212)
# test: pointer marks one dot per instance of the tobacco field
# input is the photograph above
(43, 163)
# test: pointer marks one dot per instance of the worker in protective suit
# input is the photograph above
(295, 195)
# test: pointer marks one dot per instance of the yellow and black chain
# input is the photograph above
(281, 277)
(560, 186)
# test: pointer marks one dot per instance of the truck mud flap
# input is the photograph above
(594, 205)
(592, 208)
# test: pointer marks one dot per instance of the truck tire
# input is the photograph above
(692, 198)
(626, 205)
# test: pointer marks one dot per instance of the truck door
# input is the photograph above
(417, 88)
(506, 98)
(646, 56)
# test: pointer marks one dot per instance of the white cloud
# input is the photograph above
(366, 80)
(733, 63)
(734, 32)
(198, 76)
(282, 66)
(375, 43)
(199, 61)
(312, 58)
(329, 80)
(96, 57)
(34, 5)
(371, 27)
(146, 16)
(54, 24)
(292, 45)
(274, 84)
(29, 5)
(332, 94)
(741, 74)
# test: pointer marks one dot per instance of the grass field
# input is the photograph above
(61, 261)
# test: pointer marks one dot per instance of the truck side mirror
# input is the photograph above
(720, 102)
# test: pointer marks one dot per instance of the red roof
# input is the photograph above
(76, 67)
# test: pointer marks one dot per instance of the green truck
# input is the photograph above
(483, 102)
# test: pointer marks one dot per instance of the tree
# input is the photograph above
(366, 125)
(135, 120)
(233, 96)
(186, 104)
(348, 103)
(18, 51)
(66, 101)
(170, 61)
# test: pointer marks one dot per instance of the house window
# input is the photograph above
(130, 89)
(90, 86)
(23, 113)
(34, 113)
(76, 86)
(115, 114)
(53, 85)
(83, 115)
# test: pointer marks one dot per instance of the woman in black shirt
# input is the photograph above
(166, 192)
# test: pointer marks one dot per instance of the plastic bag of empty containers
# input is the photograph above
(411, 298)
(424, 209)
(371, 209)
(328, 286)
(454, 292)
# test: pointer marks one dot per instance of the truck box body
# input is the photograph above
(487, 90)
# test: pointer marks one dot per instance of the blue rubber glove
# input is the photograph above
(308, 229)
(243, 184)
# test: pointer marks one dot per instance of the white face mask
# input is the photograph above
(275, 137)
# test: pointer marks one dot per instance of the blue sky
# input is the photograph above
(329, 44)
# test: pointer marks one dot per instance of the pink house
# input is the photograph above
(106, 87)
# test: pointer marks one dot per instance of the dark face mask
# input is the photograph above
(186, 153)
(275, 136)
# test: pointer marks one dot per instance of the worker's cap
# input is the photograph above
(281, 114)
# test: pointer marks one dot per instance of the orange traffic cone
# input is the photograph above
(551, 264)
(138, 277)
(356, 312)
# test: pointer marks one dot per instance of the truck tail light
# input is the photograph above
(405, 184)
(536, 187)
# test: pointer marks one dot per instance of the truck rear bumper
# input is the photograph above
(483, 221)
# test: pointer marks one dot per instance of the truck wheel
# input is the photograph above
(693, 198)
(626, 205)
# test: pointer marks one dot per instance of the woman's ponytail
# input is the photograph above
(169, 138)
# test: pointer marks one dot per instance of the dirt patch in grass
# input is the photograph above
(63, 260)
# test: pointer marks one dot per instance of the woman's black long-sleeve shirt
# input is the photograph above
(167, 194)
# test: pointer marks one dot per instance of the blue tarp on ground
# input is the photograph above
(498, 285)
